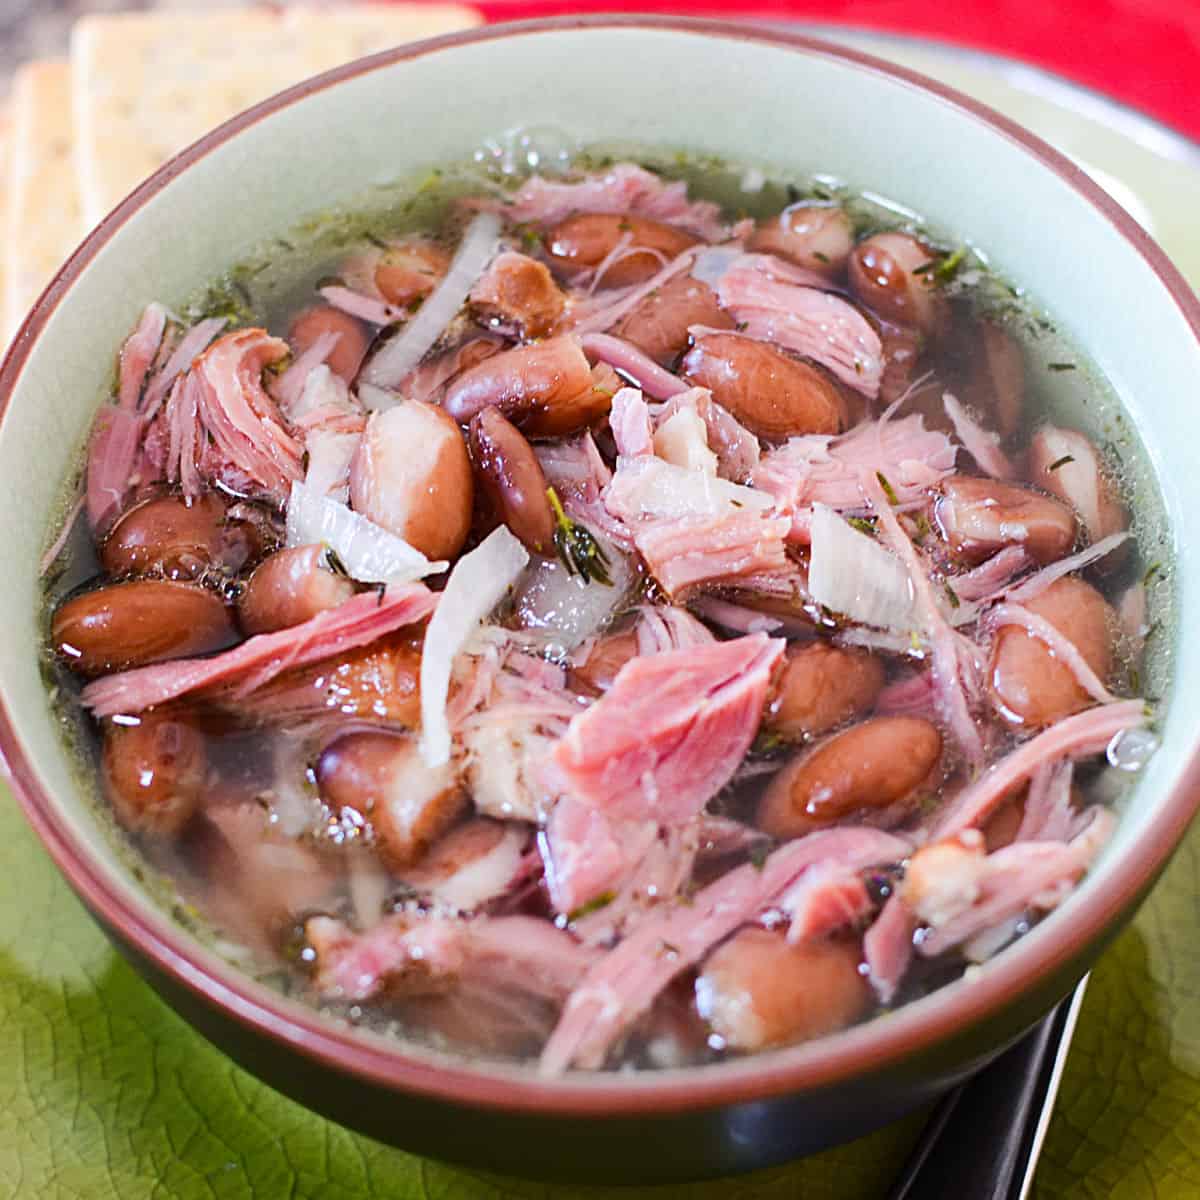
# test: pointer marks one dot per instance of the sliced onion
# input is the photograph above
(375, 399)
(329, 458)
(852, 574)
(712, 263)
(413, 342)
(652, 487)
(476, 585)
(368, 551)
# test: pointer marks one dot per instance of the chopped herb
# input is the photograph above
(822, 258)
(604, 392)
(914, 641)
(862, 524)
(375, 240)
(624, 225)
(820, 193)
(667, 948)
(415, 303)
(333, 562)
(1151, 571)
(1060, 366)
(888, 490)
(1061, 462)
(1155, 626)
(759, 853)
(1135, 680)
(742, 326)
(243, 292)
(924, 529)
(793, 193)
(952, 596)
(767, 743)
(944, 267)
(579, 551)
(737, 504)
(593, 905)
(380, 593)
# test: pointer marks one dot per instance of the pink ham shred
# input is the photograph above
(594, 315)
(374, 310)
(824, 899)
(759, 293)
(1027, 589)
(737, 449)
(671, 731)
(624, 983)
(193, 343)
(1024, 875)
(685, 553)
(111, 463)
(737, 618)
(634, 364)
(1078, 736)
(663, 628)
(888, 947)
(991, 577)
(138, 354)
(289, 386)
(629, 420)
(355, 622)
(624, 188)
(817, 469)
(981, 444)
(1049, 815)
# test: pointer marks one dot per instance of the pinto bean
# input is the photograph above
(411, 474)
(882, 275)
(409, 271)
(352, 344)
(154, 772)
(821, 687)
(375, 682)
(289, 587)
(518, 292)
(145, 621)
(659, 324)
(180, 539)
(1031, 687)
(977, 517)
(608, 656)
(1066, 464)
(382, 775)
(509, 472)
(756, 990)
(583, 241)
(817, 236)
(547, 389)
(771, 394)
(996, 379)
(875, 764)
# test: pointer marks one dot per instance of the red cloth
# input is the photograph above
(1145, 53)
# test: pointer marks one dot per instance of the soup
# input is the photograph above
(601, 628)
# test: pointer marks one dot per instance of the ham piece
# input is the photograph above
(356, 622)
(888, 947)
(671, 731)
(624, 983)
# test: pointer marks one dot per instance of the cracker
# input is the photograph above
(42, 223)
(149, 84)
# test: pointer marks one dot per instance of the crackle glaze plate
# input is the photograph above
(105, 1093)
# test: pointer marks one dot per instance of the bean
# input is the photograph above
(996, 379)
(509, 473)
(659, 324)
(290, 587)
(154, 772)
(518, 292)
(882, 276)
(977, 517)
(875, 764)
(608, 656)
(383, 775)
(352, 344)
(180, 539)
(817, 236)
(408, 272)
(821, 687)
(756, 990)
(771, 394)
(1031, 687)
(902, 348)
(546, 389)
(465, 846)
(585, 240)
(411, 474)
(145, 621)
(1066, 464)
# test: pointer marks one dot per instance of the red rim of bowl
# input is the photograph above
(827, 1061)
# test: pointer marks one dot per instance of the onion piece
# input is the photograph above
(412, 343)
(1027, 589)
(652, 487)
(711, 263)
(476, 585)
(368, 551)
(852, 574)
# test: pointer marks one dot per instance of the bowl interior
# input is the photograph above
(790, 109)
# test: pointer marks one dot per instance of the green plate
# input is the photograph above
(104, 1092)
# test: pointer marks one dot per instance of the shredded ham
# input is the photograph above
(824, 899)
(138, 354)
(289, 387)
(1036, 584)
(193, 343)
(662, 628)
(888, 947)
(759, 292)
(356, 622)
(981, 444)
(1078, 736)
(671, 731)
(634, 364)
(993, 575)
(111, 461)
(735, 617)
(1059, 645)
(372, 309)
(624, 983)
(607, 308)
(629, 420)
(1049, 815)
(623, 188)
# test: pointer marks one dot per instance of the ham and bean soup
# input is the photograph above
(606, 629)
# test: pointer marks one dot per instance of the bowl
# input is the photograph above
(754, 96)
